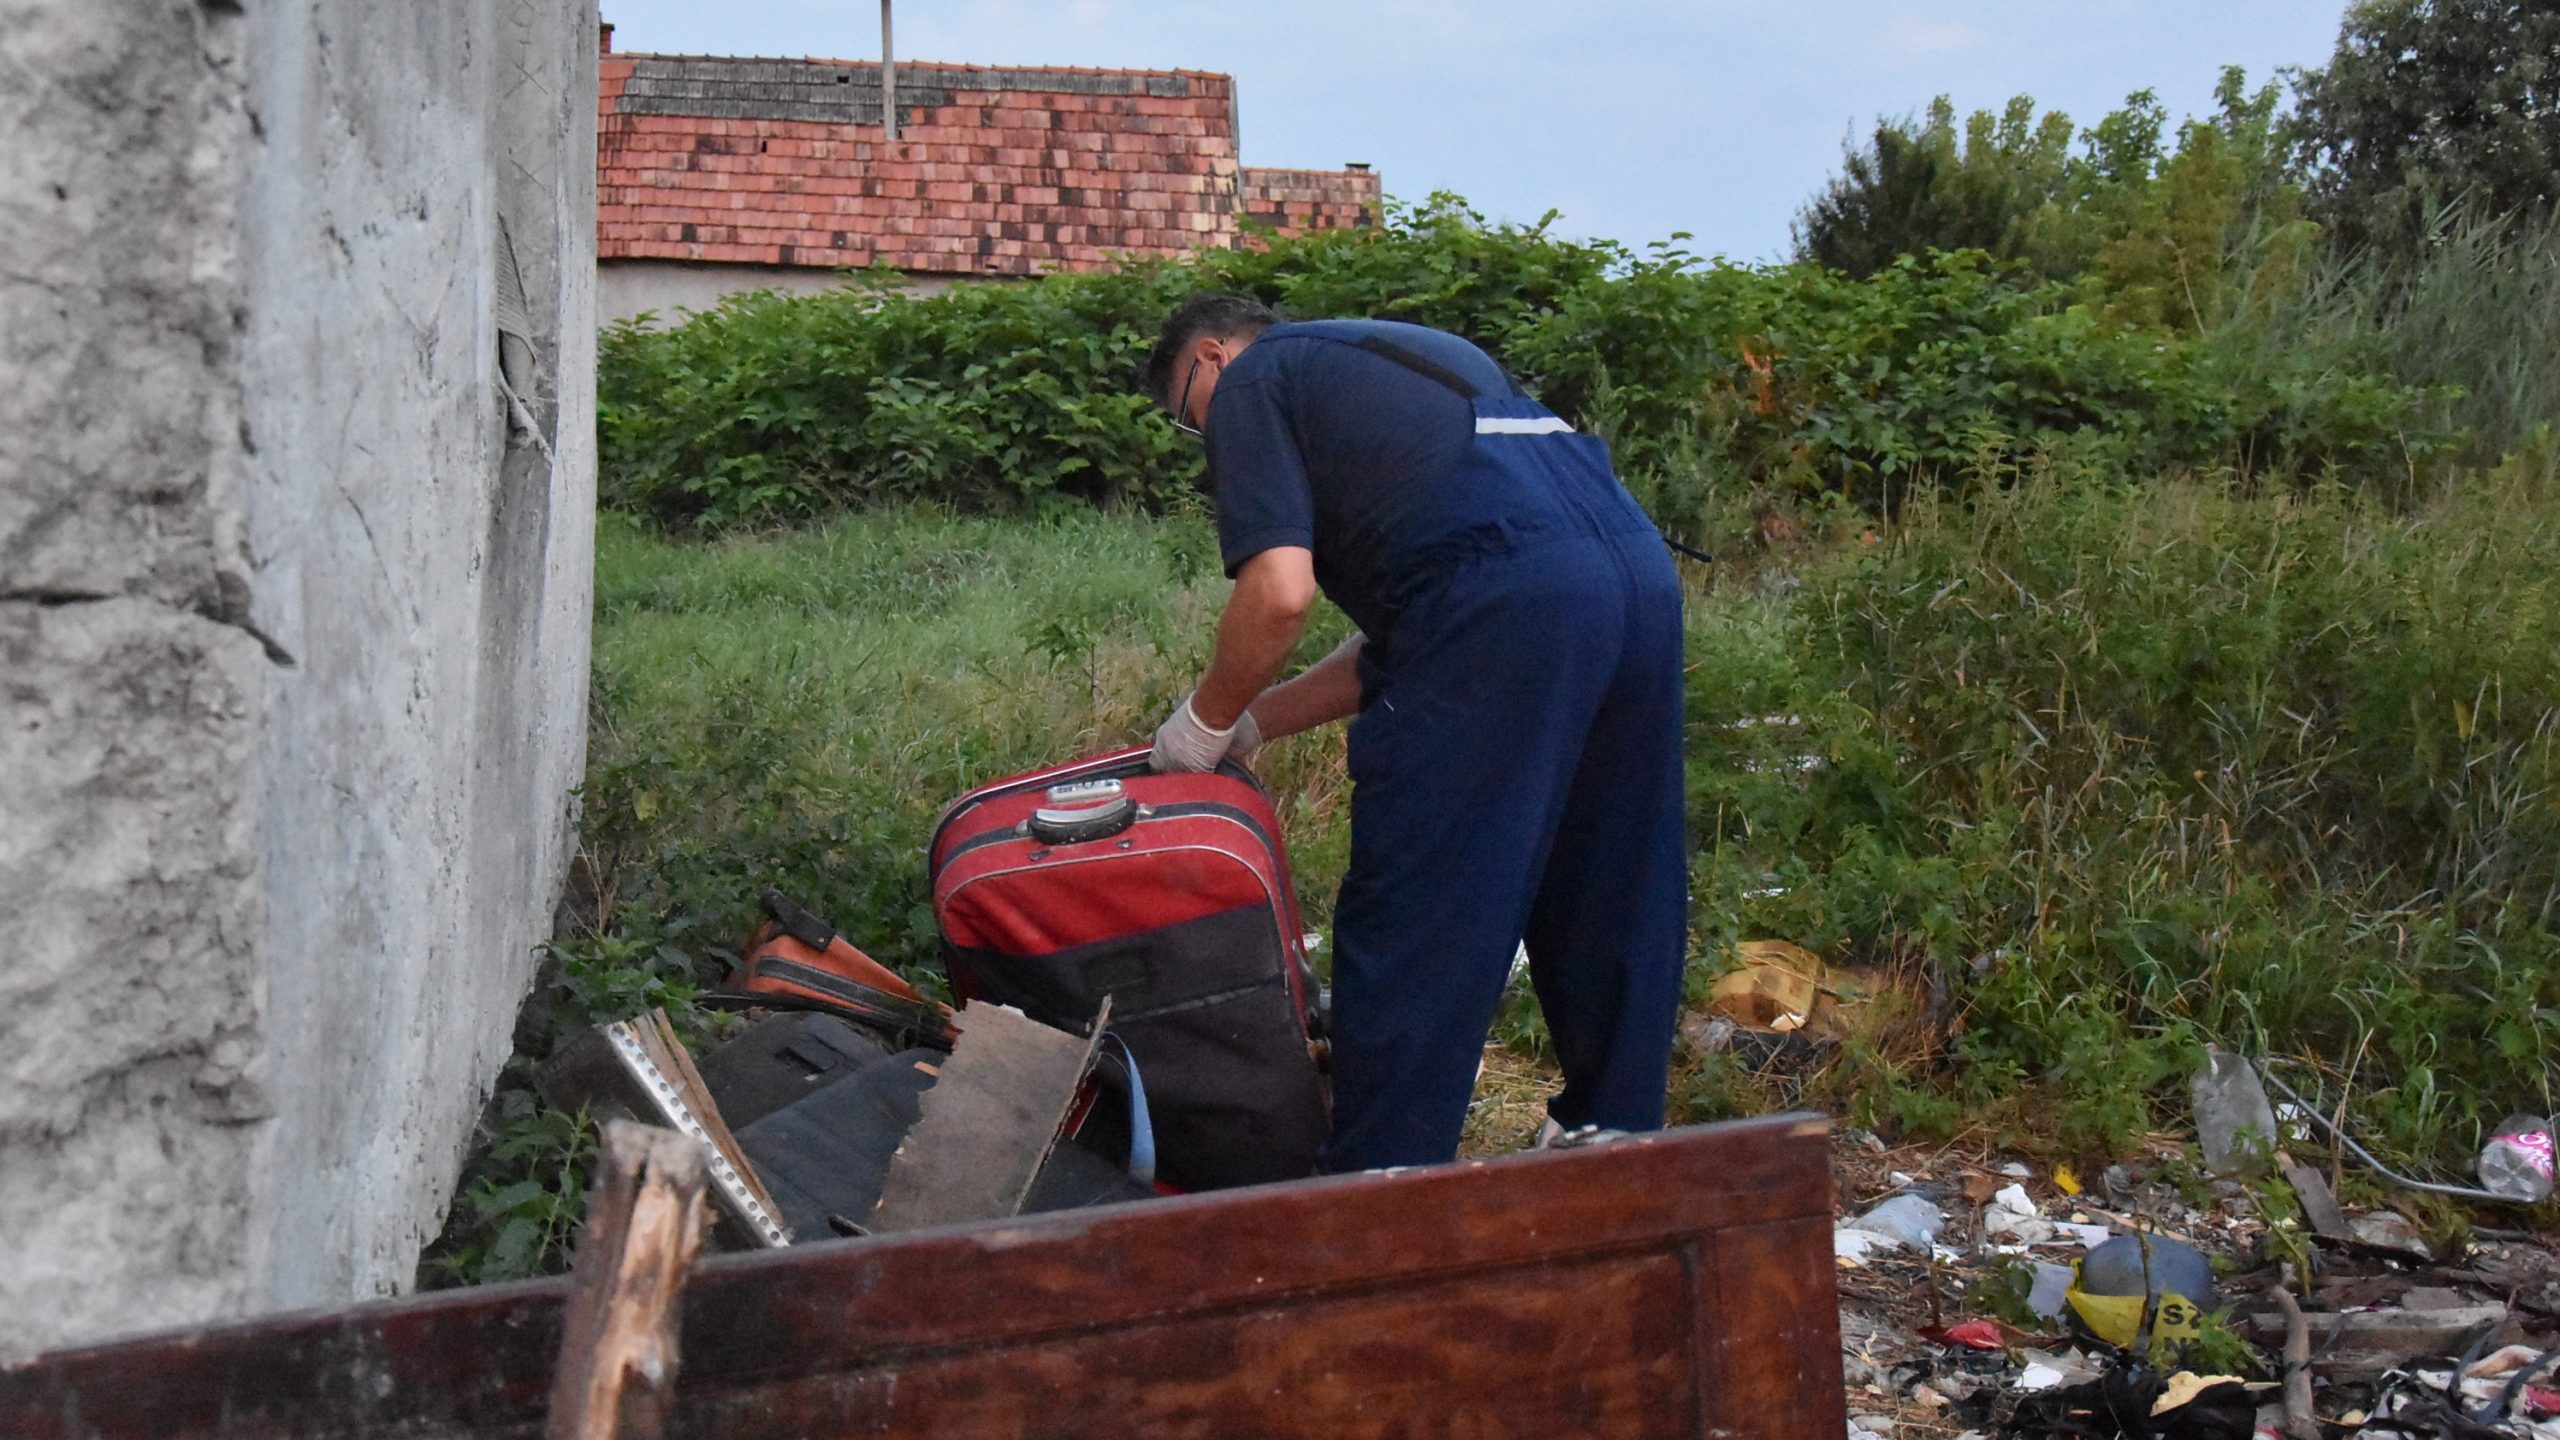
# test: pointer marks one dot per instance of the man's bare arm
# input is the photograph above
(1265, 615)
(1324, 692)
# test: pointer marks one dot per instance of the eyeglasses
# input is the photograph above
(1182, 407)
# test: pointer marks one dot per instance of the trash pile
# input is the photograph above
(851, 1105)
(2196, 1293)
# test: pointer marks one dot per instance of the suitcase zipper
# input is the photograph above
(1145, 813)
(1122, 766)
(1296, 975)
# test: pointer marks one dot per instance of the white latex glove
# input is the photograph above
(1184, 743)
(1248, 739)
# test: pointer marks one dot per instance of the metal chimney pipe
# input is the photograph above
(888, 77)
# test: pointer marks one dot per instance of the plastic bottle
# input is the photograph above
(2516, 1163)
(2235, 1126)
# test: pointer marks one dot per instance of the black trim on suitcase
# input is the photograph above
(1206, 1006)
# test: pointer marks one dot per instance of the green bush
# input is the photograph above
(1018, 398)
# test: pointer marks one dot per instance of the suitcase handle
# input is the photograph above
(797, 923)
(1075, 824)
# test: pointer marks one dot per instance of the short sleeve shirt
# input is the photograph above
(1315, 441)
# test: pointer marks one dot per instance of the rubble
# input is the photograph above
(1960, 1328)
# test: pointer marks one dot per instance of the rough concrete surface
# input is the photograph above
(296, 359)
(128, 998)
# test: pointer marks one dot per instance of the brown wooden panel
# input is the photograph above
(1768, 1329)
(1743, 1209)
(1479, 1356)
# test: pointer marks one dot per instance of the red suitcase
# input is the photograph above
(1170, 894)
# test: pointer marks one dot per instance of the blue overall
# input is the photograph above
(1516, 775)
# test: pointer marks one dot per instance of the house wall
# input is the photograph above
(669, 289)
(293, 617)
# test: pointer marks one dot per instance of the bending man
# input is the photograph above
(1516, 757)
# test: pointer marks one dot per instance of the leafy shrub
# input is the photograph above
(1017, 398)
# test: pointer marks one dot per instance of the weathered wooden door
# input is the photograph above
(1672, 1285)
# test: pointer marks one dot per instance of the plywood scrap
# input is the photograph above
(989, 1121)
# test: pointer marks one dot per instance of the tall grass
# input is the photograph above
(2132, 768)
(2471, 321)
(2115, 769)
(796, 709)
(2480, 311)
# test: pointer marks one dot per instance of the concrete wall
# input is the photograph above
(669, 289)
(296, 357)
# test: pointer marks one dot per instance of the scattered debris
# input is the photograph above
(2319, 1206)
(2151, 1304)
(989, 1121)
(2516, 1163)
(2134, 1284)
(619, 1355)
(841, 1134)
(1777, 991)
(2367, 1343)
(1908, 1221)
(2389, 1230)
(1973, 1334)
(638, 1070)
(2235, 1124)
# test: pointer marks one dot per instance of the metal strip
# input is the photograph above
(724, 1176)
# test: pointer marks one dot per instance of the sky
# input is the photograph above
(1634, 118)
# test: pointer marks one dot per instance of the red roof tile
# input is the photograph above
(995, 171)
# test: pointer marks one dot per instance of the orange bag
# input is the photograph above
(799, 962)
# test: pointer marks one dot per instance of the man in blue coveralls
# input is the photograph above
(1517, 681)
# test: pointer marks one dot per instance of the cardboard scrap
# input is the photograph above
(989, 1121)
(1777, 991)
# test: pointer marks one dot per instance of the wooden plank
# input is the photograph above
(2368, 1342)
(659, 1037)
(618, 1351)
(1378, 1364)
(989, 1121)
(1671, 1285)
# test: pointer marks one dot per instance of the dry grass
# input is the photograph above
(1510, 1104)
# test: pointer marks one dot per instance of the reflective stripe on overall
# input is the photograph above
(1517, 775)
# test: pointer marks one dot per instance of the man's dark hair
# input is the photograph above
(1213, 316)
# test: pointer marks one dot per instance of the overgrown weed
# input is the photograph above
(2142, 766)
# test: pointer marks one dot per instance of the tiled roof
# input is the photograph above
(995, 171)
(1301, 200)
